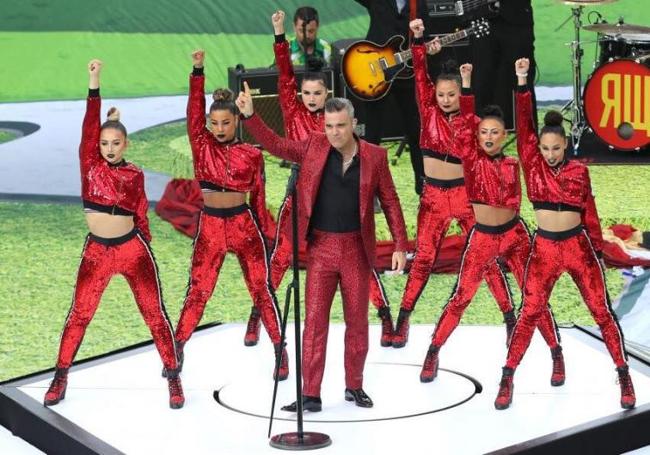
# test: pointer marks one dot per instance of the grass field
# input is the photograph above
(6, 136)
(145, 44)
(42, 243)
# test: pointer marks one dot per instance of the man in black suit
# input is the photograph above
(389, 18)
(511, 37)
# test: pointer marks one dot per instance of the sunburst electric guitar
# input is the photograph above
(369, 69)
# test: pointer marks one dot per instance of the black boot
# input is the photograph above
(401, 334)
(252, 328)
(386, 326)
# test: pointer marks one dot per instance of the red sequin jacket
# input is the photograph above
(567, 184)
(489, 180)
(234, 166)
(120, 185)
(445, 136)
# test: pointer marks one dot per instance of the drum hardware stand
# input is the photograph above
(574, 107)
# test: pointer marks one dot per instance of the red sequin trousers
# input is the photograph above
(101, 259)
(553, 253)
(220, 231)
(283, 254)
(438, 206)
(335, 259)
(509, 243)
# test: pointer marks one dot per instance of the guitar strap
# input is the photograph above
(413, 11)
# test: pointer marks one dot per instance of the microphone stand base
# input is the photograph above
(294, 441)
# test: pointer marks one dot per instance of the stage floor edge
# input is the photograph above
(117, 403)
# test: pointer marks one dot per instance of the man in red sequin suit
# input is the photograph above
(340, 175)
(301, 117)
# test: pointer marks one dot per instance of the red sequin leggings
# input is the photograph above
(335, 259)
(509, 243)
(220, 231)
(130, 256)
(553, 253)
(440, 202)
(282, 256)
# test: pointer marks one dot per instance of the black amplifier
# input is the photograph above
(263, 83)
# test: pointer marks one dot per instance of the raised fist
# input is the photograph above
(417, 27)
(95, 66)
(522, 66)
(466, 70)
(277, 19)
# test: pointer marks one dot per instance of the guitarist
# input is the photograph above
(511, 36)
(387, 19)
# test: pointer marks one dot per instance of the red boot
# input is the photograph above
(557, 378)
(176, 397)
(430, 365)
(504, 397)
(252, 328)
(628, 398)
(510, 320)
(386, 326)
(283, 371)
(401, 335)
(57, 389)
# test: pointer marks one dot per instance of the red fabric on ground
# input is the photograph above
(622, 231)
(182, 201)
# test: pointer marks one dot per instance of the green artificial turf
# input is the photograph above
(145, 44)
(6, 136)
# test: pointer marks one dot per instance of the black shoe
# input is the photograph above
(359, 397)
(311, 404)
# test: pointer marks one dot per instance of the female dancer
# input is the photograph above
(568, 239)
(493, 189)
(445, 130)
(226, 170)
(118, 243)
(301, 118)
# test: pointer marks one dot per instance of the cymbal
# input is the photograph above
(586, 2)
(617, 29)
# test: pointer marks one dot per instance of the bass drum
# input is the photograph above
(617, 104)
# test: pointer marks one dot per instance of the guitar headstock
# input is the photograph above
(479, 28)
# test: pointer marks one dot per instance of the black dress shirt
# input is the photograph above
(337, 203)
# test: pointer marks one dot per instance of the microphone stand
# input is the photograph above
(298, 440)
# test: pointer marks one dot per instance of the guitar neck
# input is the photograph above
(444, 41)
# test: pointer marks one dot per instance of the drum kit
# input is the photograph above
(615, 103)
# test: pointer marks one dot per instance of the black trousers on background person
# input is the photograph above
(398, 106)
(493, 77)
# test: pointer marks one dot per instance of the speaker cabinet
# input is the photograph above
(263, 83)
